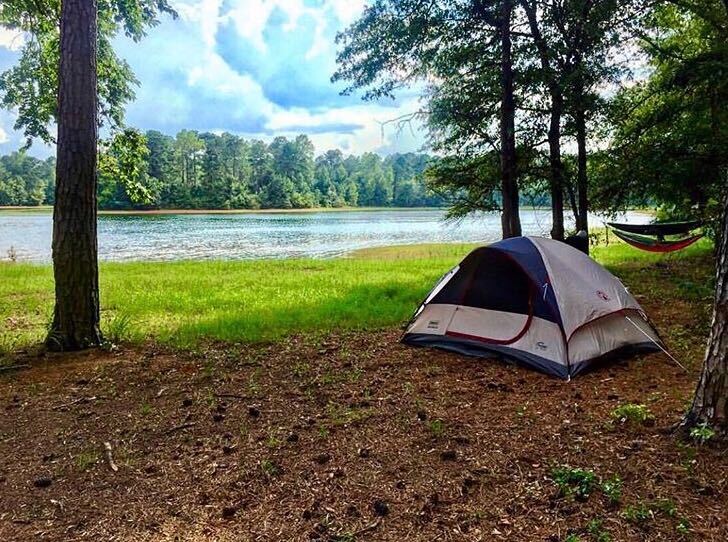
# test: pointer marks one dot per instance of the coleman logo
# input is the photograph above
(602, 295)
(433, 324)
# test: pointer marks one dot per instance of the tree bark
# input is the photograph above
(710, 404)
(510, 219)
(556, 166)
(582, 180)
(75, 266)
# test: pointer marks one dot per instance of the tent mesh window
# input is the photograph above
(488, 279)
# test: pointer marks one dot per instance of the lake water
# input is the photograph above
(263, 235)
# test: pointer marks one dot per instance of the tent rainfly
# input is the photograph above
(535, 301)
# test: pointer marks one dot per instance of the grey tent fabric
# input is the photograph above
(535, 301)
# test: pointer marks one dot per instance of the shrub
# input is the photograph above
(612, 488)
(638, 514)
(576, 482)
(702, 433)
(632, 413)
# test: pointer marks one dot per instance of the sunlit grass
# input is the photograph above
(183, 303)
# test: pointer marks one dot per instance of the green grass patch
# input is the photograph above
(188, 302)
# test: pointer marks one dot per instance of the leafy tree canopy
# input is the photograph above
(670, 137)
(30, 87)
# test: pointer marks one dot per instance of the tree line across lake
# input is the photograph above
(209, 171)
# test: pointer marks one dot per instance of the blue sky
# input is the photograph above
(258, 68)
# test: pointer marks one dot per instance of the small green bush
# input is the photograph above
(437, 428)
(597, 531)
(632, 413)
(702, 433)
(576, 482)
(638, 514)
(612, 488)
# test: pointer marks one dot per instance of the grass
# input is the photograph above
(188, 302)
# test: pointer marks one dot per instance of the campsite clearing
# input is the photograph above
(348, 435)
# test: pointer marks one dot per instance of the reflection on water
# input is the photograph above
(263, 235)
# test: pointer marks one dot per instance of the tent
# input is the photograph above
(535, 301)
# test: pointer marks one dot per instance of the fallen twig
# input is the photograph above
(369, 527)
(232, 396)
(76, 402)
(16, 367)
(109, 457)
(180, 427)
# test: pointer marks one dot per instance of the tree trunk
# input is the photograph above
(710, 404)
(75, 266)
(510, 219)
(556, 166)
(572, 201)
(582, 182)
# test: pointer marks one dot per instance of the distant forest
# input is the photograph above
(208, 171)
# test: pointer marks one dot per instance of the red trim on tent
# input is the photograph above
(497, 341)
(624, 312)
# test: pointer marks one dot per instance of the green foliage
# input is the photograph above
(123, 179)
(25, 180)
(638, 514)
(30, 87)
(118, 328)
(702, 433)
(436, 427)
(643, 512)
(184, 303)
(270, 468)
(596, 530)
(683, 527)
(577, 482)
(208, 171)
(632, 413)
(612, 489)
(86, 459)
(670, 137)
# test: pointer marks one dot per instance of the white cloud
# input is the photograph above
(186, 83)
(11, 39)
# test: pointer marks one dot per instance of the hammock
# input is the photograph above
(659, 229)
(654, 245)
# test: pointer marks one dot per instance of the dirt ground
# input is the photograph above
(346, 437)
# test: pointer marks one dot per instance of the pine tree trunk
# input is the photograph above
(556, 166)
(710, 404)
(510, 219)
(582, 183)
(75, 267)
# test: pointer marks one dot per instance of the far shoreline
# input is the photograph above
(48, 209)
(43, 209)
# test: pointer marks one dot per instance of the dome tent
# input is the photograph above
(535, 301)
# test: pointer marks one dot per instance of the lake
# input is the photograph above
(263, 235)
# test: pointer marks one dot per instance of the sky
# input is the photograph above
(256, 68)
